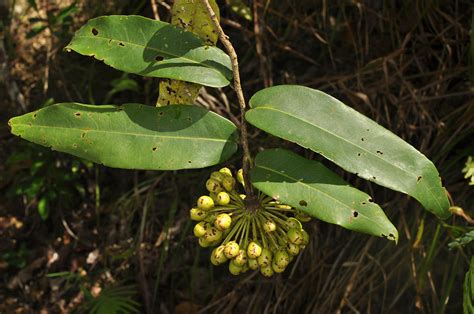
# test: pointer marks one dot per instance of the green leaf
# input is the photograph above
(136, 44)
(311, 187)
(356, 143)
(132, 136)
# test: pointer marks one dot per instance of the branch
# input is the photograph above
(247, 160)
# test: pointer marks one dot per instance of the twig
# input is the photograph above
(154, 7)
(246, 162)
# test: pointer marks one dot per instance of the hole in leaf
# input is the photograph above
(379, 152)
(154, 149)
(370, 200)
(418, 178)
(158, 58)
(161, 113)
(358, 154)
(121, 44)
(77, 114)
(355, 214)
(362, 139)
(303, 203)
(374, 178)
(35, 115)
(189, 161)
(83, 135)
(363, 203)
(190, 120)
(95, 32)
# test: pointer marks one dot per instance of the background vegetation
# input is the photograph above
(76, 236)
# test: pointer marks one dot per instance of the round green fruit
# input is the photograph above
(197, 214)
(223, 198)
(265, 259)
(254, 250)
(231, 249)
(223, 221)
(205, 202)
(295, 236)
(213, 186)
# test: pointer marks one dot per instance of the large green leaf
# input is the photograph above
(311, 187)
(132, 136)
(137, 44)
(356, 143)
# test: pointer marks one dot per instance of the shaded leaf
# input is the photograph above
(356, 143)
(311, 187)
(132, 136)
(136, 44)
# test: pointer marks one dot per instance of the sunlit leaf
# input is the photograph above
(136, 44)
(356, 143)
(311, 187)
(132, 136)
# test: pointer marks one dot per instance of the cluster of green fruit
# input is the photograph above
(267, 237)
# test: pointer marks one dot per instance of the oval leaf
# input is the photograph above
(356, 143)
(132, 136)
(311, 187)
(136, 44)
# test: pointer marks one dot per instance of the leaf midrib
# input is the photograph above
(353, 144)
(157, 50)
(125, 133)
(313, 188)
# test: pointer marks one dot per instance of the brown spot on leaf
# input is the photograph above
(303, 203)
(95, 32)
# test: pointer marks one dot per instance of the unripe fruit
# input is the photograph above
(203, 242)
(228, 183)
(197, 214)
(269, 226)
(294, 223)
(284, 206)
(240, 177)
(305, 237)
(223, 221)
(235, 269)
(216, 175)
(281, 259)
(200, 229)
(292, 249)
(231, 249)
(267, 271)
(223, 198)
(226, 171)
(217, 256)
(265, 258)
(253, 264)
(212, 235)
(276, 268)
(295, 236)
(241, 258)
(205, 202)
(212, 185)
(254, 250)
